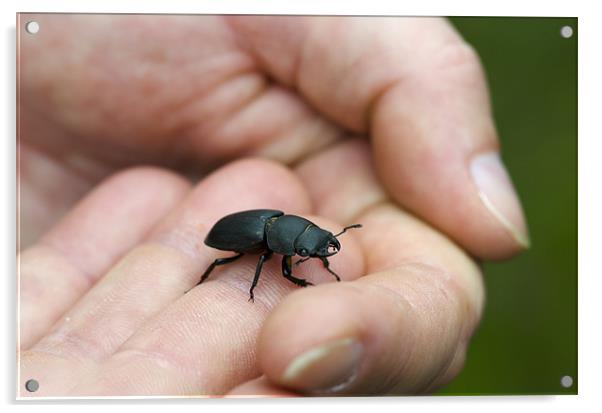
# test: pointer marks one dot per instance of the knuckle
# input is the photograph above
(451, 65)
(70, 345)
(450, 370)
(160, 176)
(459, 55)
(443, 285)
(160, 359)
(441, 311)
(445, 295)
(444, 313)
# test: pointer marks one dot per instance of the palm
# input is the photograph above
(171, 100)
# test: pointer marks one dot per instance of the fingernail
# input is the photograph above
(497, 193)
(326, 368)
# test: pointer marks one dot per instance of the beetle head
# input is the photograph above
(316, 242)
(330, 247)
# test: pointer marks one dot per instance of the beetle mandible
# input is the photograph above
(268, 231)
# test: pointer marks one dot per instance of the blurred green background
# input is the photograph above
(528, 338)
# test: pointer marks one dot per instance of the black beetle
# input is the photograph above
(268, 231)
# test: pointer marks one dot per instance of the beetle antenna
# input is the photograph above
(349, 227)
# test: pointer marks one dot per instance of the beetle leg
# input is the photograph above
(264, 257)
(219, 261)
(288, 274)
(301, 261)
(327, 265)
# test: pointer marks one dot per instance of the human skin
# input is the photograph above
(383, 122)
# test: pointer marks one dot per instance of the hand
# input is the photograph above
(401, 327)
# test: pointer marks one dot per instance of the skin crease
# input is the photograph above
(246, 87)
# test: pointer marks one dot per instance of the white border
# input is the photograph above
(590, 200)
(372, 7)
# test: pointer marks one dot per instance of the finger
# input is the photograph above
(426, 109)
(405, 327)
(68, 260)
(171, 264)
(209, 112)
(260, 387)
(396, 330)
(205, 342)
(166, 264)
(345, 194)
(153, 274)
(350, 200)
(48, 188)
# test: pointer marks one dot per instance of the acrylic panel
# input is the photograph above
(451, 141)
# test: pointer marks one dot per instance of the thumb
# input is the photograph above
(436, 150)
(419, 91)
